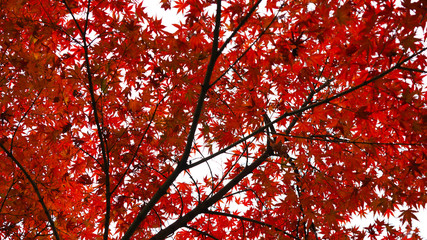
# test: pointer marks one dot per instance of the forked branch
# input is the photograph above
(182, 164)
(307, 107)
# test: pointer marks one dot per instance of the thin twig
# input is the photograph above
(250, 220)
(341, 140)
(201, 232)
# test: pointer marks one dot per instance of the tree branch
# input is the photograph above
(200, 208)
(7, 195)
(182, 164)
(201, 232)
(139, 144)
(250, 46)
(244, 20)
(105, 157)
(22, 118)
(303, 109)
(413, 69)
(36, 189)
(250, 220)
(341, 140)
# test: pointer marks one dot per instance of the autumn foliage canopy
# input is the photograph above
(243, 120)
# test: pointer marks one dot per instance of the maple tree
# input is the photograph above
(249, 120)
